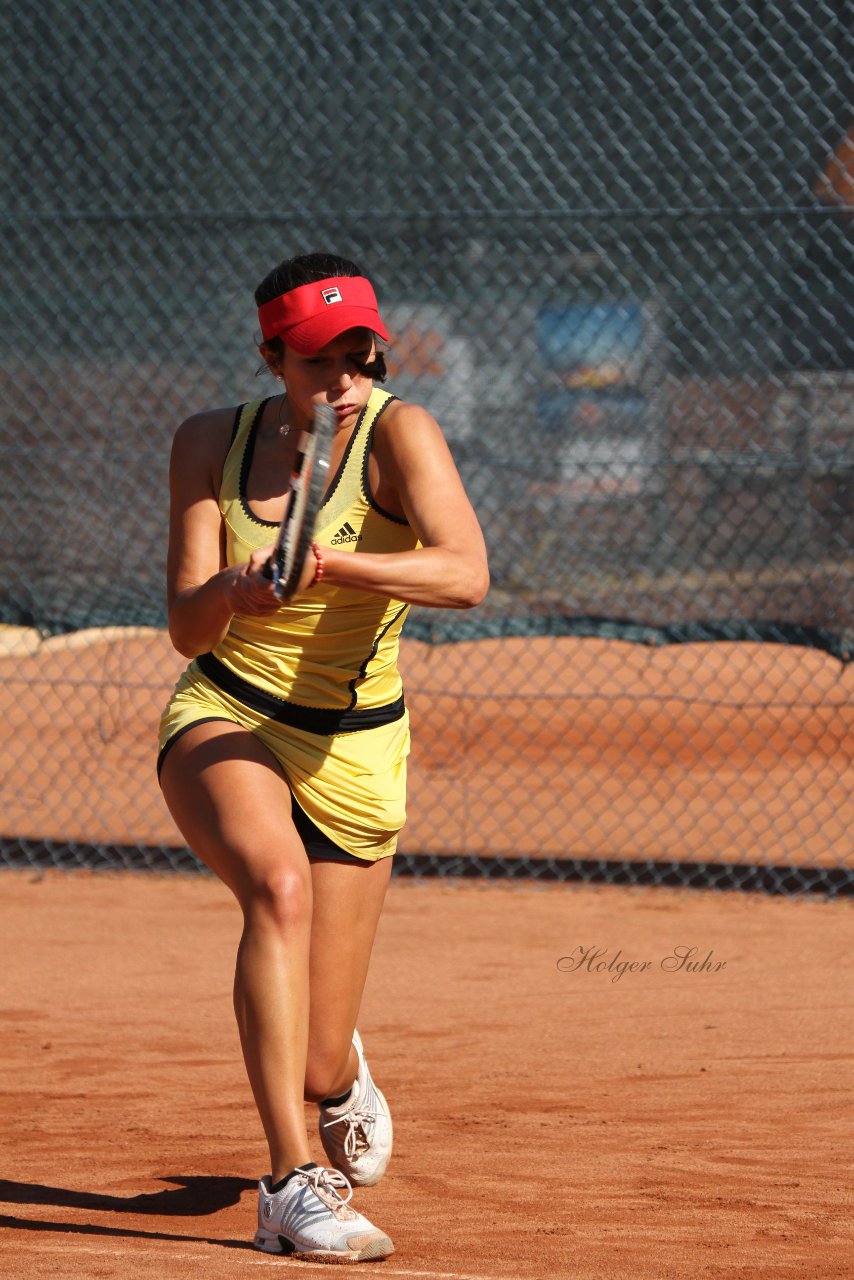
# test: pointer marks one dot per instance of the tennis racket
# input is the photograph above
(305, 494)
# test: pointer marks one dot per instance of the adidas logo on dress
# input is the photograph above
(346, 534)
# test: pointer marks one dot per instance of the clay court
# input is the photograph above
(612, 249)
(558, 1114)
(551, 1122)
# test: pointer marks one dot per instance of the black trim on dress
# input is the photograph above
(360, 674)
(325, 721)
(246, 463)
(366, 487)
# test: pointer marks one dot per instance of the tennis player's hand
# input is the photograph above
(250, 590)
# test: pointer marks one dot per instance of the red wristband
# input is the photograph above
(318, 573)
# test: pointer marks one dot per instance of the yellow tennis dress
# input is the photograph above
(317, 682)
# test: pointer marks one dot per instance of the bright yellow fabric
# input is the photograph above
(328, 647)
(351, 785)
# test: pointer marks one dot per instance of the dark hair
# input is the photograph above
(294, 272)
(306, 269)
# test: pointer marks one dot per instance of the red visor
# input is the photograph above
(312, 315)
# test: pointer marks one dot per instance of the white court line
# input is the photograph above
(261, 1260)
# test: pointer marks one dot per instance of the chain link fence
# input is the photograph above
(613, 242)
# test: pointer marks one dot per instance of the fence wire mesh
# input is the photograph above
(613, 242)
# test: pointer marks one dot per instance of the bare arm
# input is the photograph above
(202, 594)
(418, 477)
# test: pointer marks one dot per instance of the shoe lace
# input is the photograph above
(356, 1120)
(325, 1184)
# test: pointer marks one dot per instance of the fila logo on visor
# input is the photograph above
(331, 295)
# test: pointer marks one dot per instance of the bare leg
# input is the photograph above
(347, 905)
(233, 806)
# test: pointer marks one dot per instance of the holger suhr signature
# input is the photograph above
(681, 959)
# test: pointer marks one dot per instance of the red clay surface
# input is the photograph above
(547, 747)
(550, 1120)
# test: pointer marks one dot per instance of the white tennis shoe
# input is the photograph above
(308, 1218)
(357, 1136)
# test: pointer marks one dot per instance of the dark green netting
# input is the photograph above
(613, 242)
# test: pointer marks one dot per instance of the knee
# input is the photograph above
(281, 899)
(326, 1072)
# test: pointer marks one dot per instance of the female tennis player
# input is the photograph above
(283, 747)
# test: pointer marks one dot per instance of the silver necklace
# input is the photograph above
(284, 427)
